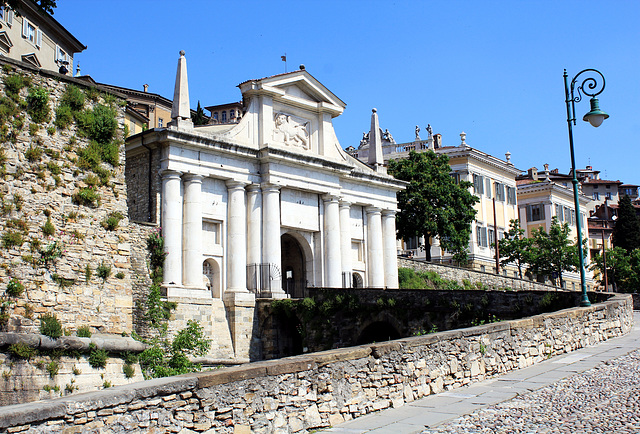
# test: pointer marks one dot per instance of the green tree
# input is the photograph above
(433, 204)
(45, 5)
(198, 117)
(626, 232)
(623, 269)
(515, 248)
(554, 252)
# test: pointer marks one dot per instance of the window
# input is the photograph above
(608, 195)
(224, 116)
(596, 195)
(215, 116)
(481, 236)
(511, 195)
(478, 184)
(499, 187)
(61, 56)
(232, 114)
(160, 122)
(559, 213)
(608, 186)
(6, 15)
(573, 218)
(492, 237)
(31, 33)
(535, 212)
(488, 189)
(456, 177)
(567, 215)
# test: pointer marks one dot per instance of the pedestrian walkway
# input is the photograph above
(436, 409)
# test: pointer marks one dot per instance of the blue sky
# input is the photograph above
(492, 69)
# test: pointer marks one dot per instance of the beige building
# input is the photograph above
(493, 179)
(37, 38)
(540, 198)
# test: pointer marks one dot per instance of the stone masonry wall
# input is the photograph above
(36, 188)
(307, 392)
(461, 274)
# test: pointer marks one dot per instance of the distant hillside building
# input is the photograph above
(37, 38)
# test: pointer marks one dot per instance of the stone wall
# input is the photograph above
(143, 181)
(461, 274)
(317, 390)
(39, 185)
(336, 318)
(40, 173)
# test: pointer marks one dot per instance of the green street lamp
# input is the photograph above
(588, 86)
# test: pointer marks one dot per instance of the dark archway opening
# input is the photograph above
(293, 267)
(378, 331)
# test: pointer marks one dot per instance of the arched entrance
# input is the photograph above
(293, 266)
(211, 272)
(357, 281)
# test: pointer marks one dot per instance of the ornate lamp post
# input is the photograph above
(589, 86)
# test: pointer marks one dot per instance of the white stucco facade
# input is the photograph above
(272, 204)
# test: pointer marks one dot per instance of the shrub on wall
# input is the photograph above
(15, 288)
(50, 326)
(38, 104)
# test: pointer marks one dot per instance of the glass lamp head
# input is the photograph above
(596, 116)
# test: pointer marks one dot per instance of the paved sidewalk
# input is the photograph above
(435, 409)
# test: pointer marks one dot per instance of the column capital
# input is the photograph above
(232, 184)
(193, 177)
(373, 210)
(267, 186)
(389, 212)
(168, 173)
(330, 197)
(345, 203)
(254, 188)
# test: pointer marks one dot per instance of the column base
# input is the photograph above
(186, 292)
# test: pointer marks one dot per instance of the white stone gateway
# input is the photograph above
(266, 207)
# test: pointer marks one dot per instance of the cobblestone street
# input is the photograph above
(601, 400)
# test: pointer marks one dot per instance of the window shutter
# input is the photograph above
(38, 38)
(9, 17)
(25, 27)
(488, 190)
(484, 237)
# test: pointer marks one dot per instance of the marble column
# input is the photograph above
(333, 258)
(254, 221)
(390, 251)
(271, 245)
(172, 227)
(236, 238)
(345, 242)
(192, 232)
(375, 265)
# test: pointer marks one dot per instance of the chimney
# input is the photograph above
(145, 87)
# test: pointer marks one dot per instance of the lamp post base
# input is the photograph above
(585, 302)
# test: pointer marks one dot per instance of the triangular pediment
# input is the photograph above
(5, 42)
(297, 88)
(31, 59)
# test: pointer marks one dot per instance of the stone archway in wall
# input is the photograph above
(211, 273)
(294, 260)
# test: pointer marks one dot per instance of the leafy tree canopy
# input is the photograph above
(623, 269)
(554, 252)
(626, 232)
(45, 5)
(515, 248)
(433, 204)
